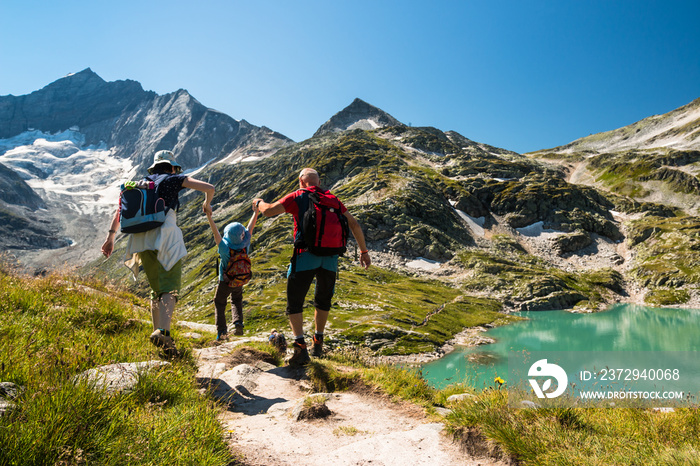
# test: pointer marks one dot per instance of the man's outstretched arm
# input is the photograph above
(267, 209)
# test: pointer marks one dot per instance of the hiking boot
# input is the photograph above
(300, 356)
(161, 340)
(222, 336)
(238, 329)
(317, 350)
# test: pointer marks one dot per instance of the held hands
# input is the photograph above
(256, 205)
(206, 208)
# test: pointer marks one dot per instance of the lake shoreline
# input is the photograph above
(470, 336)
(473, 336)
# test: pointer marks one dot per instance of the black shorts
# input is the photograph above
(298, 285)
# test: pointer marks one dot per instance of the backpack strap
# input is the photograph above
(293, 261)
(157, 179)
(303, 203)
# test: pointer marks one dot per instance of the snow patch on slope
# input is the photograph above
(536, 230)
(366, 124)
(85, 180)
(476, 225)
(423, 264)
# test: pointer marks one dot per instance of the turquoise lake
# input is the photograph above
(623, 327)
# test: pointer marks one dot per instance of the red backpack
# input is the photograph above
(238, 271)
(323, 229)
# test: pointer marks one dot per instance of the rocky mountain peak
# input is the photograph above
(81, 99)
(78, 80)
(358, 115)
(87, 84)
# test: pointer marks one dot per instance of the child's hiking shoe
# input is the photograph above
(238, 329)
(317, 350)
(301, 355)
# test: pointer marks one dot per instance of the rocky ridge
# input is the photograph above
(678, 129)
(649, 170)
(358, 115)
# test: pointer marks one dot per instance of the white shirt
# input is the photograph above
(166, 239)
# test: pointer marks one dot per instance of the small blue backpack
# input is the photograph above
(140, 206)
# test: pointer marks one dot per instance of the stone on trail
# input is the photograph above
(119, 377)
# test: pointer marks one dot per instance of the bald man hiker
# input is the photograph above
(321, 226)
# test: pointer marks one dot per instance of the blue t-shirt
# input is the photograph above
(308, 261)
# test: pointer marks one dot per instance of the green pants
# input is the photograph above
(161, 280)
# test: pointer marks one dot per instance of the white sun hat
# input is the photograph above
(164, 156)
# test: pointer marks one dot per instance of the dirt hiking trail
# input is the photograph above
(275, 418)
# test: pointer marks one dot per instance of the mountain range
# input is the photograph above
(135, 123)
(457, 228)
(75, 140)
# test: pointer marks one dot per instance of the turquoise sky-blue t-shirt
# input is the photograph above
(308, 261)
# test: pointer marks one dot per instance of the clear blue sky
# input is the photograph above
(518, 74)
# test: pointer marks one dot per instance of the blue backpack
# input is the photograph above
(141, 208)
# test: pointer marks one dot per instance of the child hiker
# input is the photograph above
(234, 245)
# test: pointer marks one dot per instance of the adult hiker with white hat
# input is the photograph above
(160, 250)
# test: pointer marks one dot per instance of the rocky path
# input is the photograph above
(267, 423)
